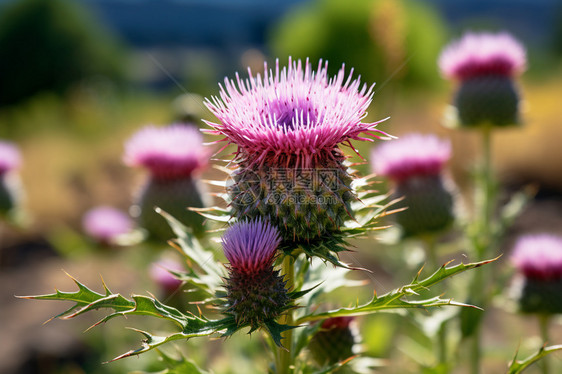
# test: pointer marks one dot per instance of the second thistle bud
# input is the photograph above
(538, 258)
(335, 341)
(173, 155)
(256, 292)
(485, 66)
(414, 163)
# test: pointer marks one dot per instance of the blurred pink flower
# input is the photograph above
(160, 274)
(105, 224)
(292, 113)
(411, 155)
(478, 54)
(169, 152)
(539, 256)
(10, 157)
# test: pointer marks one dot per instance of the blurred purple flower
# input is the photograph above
(10, 157)
(539, 256)
(170, 152)
(294, 112)
(411, 155)
(478, 54)
(105, 224)
(160, 274)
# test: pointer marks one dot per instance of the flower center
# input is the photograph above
(292, 113)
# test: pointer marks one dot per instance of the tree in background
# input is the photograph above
(48, 45)
(374, 37)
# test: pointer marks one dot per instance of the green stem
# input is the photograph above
(543, 325)
(487, 207)
(433, 259)
(284, 357)
(479, 293)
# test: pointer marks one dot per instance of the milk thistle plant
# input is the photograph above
(293, 203)
(414, 163)
(173, 156)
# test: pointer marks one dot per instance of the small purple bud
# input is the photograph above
(255, 291)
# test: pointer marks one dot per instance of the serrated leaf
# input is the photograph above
(209, 278)
(395, 298)
(87, 300)
(518, 366)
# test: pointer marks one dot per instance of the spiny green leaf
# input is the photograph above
(518, 366)
(209, 277)
(395, 298)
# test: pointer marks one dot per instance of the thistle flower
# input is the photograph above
(288, 126)
(105, 224)
(173, 155)
(10, 159)
(415, 163)
(335, 341)
(485, 65)
(256, 292)
(538, 259)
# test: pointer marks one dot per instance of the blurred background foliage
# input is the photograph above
(78, 78)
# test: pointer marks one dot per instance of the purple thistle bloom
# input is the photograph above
(539, 257)
(170, 152)
(256, 293)
(105, 224)
(10, 157)
(160, 274)
(410, 156)
(480, 54)
(250, 246)
(294, 113)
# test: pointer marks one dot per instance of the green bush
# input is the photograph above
(374, 37)
(47, 45)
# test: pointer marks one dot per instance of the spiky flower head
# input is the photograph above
(256, 292)
(172, 154)
(169, 152)
(105, 224)
(538, 259)
(294, 112)
(10, 157)
(415, 164)
(480, 54)
(412, 155)
(288, 125)
(335, 341)
(485, 65)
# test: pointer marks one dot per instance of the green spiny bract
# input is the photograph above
(174, 196)
(491, 100)
(305, 204)
(256, 296)
(429, 205)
